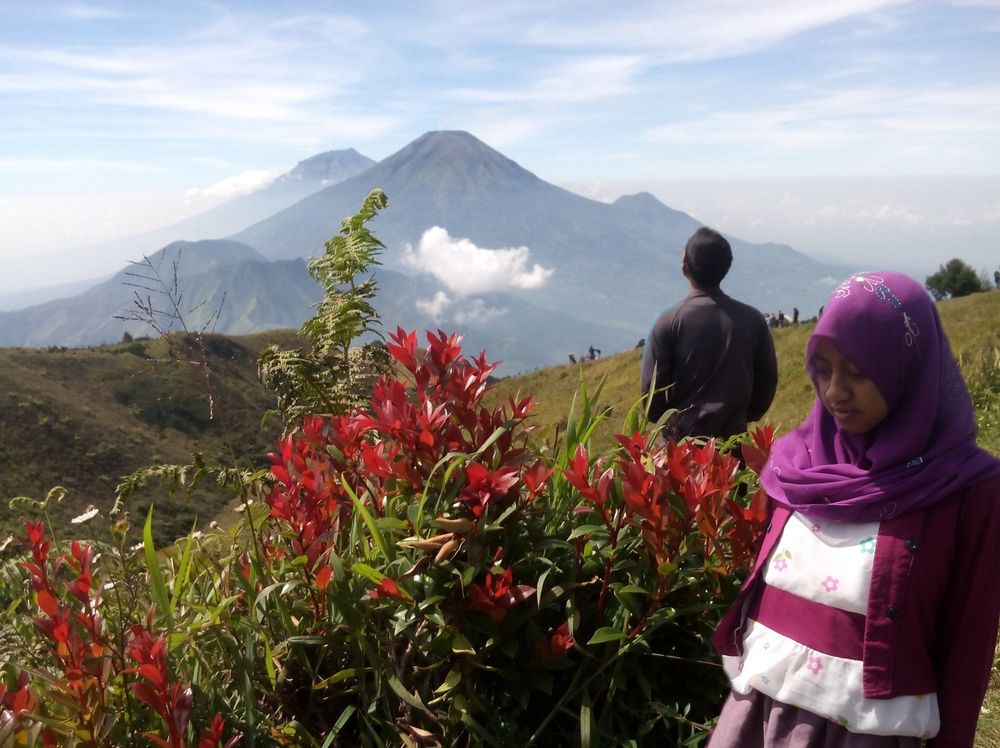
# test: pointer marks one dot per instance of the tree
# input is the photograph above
(337, 371)
(953, 279)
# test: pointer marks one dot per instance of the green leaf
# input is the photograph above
(368, 572)
(481, 732)
(400, 690)
(541, 586)
(369, 521)
(272, 675)
(336, 678)
(586, 720)
(588, 530)
(184, 572)
(453, 678)
(461, 645)
(339, 725)
(156, 580)
(606, 634)
(632, 589)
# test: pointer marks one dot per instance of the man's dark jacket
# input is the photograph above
(714, 358)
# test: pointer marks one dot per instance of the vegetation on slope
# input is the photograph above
(83, 418)
(970, 322)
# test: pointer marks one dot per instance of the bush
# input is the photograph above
(415, 572)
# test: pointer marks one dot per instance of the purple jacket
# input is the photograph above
(933, 606)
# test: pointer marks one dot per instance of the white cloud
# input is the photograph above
(79, 12)
(460, 311)
(928, 129)
(590, 79)
(296, 72)
(700, 30)
(467, 270)
(477, 311)
(242, 184)
(435, 307)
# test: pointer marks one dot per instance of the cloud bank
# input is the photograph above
(467, 270)
(443, 306)
(242, 184)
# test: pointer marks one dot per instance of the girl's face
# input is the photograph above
(847, 394)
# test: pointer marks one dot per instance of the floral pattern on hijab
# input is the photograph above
(924, 450)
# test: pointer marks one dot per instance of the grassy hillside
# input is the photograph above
(82, 418)
(972, 324)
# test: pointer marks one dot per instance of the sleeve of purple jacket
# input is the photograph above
(970, 611)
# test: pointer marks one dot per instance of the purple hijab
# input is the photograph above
(925, 449)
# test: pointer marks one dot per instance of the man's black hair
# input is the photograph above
(708, 257)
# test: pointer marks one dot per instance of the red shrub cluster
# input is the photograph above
(394, 448)
(87, 664)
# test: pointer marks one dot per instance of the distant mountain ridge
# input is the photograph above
(612, 266)
(305, 178)
(214, 277)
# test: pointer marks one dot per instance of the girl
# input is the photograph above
(870, 617)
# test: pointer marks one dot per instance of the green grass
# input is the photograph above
(988, 734)
(83, 418)
(970, 322)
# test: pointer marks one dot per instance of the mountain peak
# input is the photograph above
(639, 201)
(330, 165)
(456, 159)
(645, 203)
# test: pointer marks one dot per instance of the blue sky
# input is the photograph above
(839, 127)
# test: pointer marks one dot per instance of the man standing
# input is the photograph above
(710, 357)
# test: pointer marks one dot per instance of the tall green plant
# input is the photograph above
(334, 374)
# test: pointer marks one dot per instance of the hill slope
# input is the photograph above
(84, 418)
(219, 283)
(970, 322)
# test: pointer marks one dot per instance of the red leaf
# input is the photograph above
(181, 708)
(47, 603)
(156, 739)
(149, 697)
(388, 588)
(323, 577)
(154, 675)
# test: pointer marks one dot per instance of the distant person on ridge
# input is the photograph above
(710, 357)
